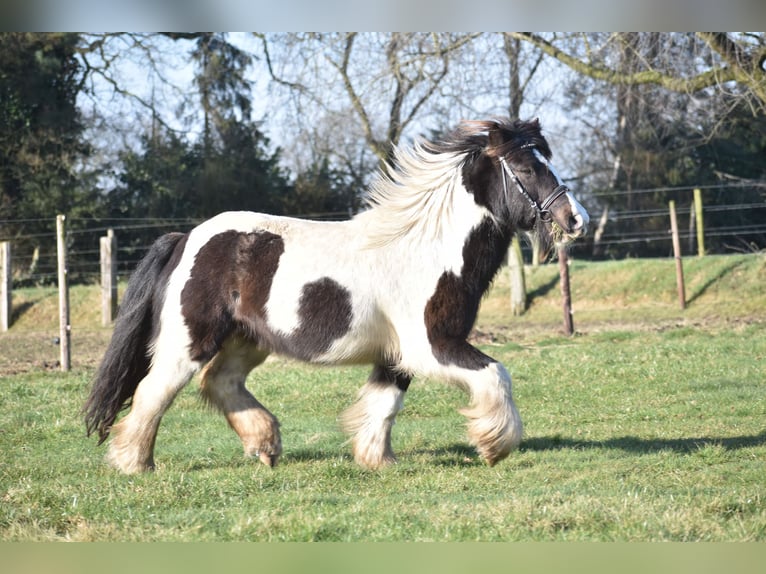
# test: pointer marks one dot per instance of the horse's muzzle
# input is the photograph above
(571, 218)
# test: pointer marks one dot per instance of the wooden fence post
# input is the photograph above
(518, 283)
(6, 286)
(700, 222)
(677, 256)
(566, 296)
(63, 281)
(108, 278)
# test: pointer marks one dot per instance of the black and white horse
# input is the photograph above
(398, 286)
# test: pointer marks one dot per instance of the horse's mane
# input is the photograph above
(499, 137)
(414, 195)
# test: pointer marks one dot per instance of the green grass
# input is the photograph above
(650, 424)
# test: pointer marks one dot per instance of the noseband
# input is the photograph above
(542, 210)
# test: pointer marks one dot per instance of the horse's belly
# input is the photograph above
(370, 343)
(334, 334)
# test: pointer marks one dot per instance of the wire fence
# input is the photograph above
(747, 236)
(628, 232)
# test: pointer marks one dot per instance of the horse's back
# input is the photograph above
(297, 287)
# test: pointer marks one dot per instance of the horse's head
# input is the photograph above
(524, 182)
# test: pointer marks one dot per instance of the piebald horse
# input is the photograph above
(398, 287)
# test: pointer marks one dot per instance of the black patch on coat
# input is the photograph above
(325, 315)
(228, 288)
(451, 311)
(390, 376)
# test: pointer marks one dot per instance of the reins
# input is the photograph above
(544, 209)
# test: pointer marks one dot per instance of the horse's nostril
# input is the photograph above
(574, 223)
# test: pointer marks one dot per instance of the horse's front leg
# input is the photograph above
(494, 424)
(370, 419)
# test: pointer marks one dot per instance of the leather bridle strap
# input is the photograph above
(544, 209)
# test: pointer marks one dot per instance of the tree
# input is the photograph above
(40, 129)
(156, 182)
(720, 58)
(657, 135)
(343, 89)
(224, 91)
(171, 177)
(241, 173)
(41, 143)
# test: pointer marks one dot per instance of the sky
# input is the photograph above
(126, 120)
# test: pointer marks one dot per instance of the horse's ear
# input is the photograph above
(495, 136)
(535, 123)
(496, 140)
(491, 128)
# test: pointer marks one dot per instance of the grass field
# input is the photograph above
(649, 424)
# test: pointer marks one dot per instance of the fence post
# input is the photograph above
(566, 297)
(700, 222)
(518, 284)
(6, 286)
(108, 278)
(63, 281)
(677, 256)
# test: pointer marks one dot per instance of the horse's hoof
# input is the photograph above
(268, 459)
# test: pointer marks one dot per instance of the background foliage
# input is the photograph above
(177, 127)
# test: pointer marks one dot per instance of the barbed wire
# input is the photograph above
(747, 184)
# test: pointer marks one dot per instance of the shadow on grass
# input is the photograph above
(464, 455)
(543, 289)
(717, 277)
(308, 455)
(639, 445)
(452, 455)
(457, 454)
(20, 308)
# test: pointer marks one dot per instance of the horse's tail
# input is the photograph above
(127, 358)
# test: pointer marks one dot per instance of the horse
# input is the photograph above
(397, 286)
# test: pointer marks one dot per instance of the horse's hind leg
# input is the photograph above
(223, 386)
(370, 419)
(131, 449)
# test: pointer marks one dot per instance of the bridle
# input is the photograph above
(542, 210)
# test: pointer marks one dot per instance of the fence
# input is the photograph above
(100, 251)
(734, 219)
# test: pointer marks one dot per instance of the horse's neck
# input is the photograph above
(473, 246)
(426, 217)
(483, 253)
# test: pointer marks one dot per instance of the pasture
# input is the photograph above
(649, 424)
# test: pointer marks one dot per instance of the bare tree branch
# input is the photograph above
(739, 66)
(746, 67)
(298, 87)
(99, 57)
(342, 67)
